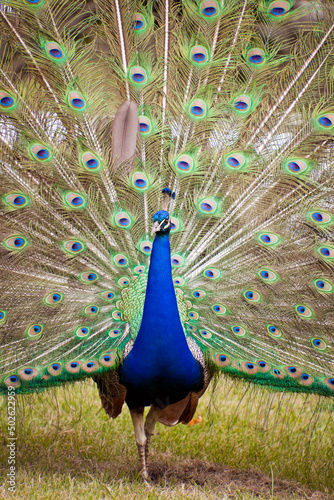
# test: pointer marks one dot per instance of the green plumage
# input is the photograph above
(236, 117)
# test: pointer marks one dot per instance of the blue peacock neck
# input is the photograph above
(160, 366)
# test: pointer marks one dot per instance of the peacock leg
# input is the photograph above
(137, 416)
(151, 419)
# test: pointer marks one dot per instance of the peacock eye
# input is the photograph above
(108, 295)
(199, 55)
(75, 200)
(121, 260)
(41, 152)
(323, 285)
(268, 239)
(35, 331)
(138, 75)
(274, 331)
(239, 331)
(219, 309)
(206, 334)
(197, 109)
(326, 252)
(114, 333)
(303, 311)
(53, 298)
(7, 102)
(296, 166)
(17, 200)
(318, 344)
(89, 277)
(320, 217)
(198, 294)
(193, 315)
(82, 331)
(267, 275)
(76, 101)
(15, 243)
(252, 296)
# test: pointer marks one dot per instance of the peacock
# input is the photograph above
(167, 200)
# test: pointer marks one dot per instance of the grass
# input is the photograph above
(252, 444)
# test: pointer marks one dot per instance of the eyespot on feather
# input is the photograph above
(123, 220)
(55, 52)
(90, 366)
(184, 164)
(7, 101)
(75, 200)
(296, 166)
(89, 276)
(107, 359)
(53, 298)
(82, 332)
(16, 200)
(27, 373)
(197, 109)
(326, 252)
(293, 371)
(114, 333)
(73, 246)
(250, 368)
(198, 294)
(34, 331)
(179, 281)
(278, 373)
(326, 121)
(145, 125)
(252, 296)
(323, 285)
(219, 309)
(90, 162)
(15, 243)
(221, 359)
(209, 9)
(274, 331)
(267, 275)
(320, 217)
(138, 75)
(306, 379)
(205, 334)
(146, 247)
(177, 260)
(263, 366)
(329, 382)
(140, 181)
(174, 224)
(73, 366)
(211, 273)
(239, 331)
(117, 315)
(303, 311)
(34, 3)
(242, 103)
(108, 295)
(13, 381)
(3, 315)
(76, 101)
(235, 161)
(55, 369)
(41, 153)
(193, 315)
(268, 239)
(199, 55)
(139, 269)
(278, 8)
(121, 260)
(139, 23)
(318, 344)
(91, 310)
(256, 57)
(123, 281)
(207, 206)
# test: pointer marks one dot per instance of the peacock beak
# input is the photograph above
(160, 226)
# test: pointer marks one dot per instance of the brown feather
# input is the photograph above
(125, 132)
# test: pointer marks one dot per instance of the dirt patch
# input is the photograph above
(228, 481)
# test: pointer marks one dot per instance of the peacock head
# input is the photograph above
(161, 223)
